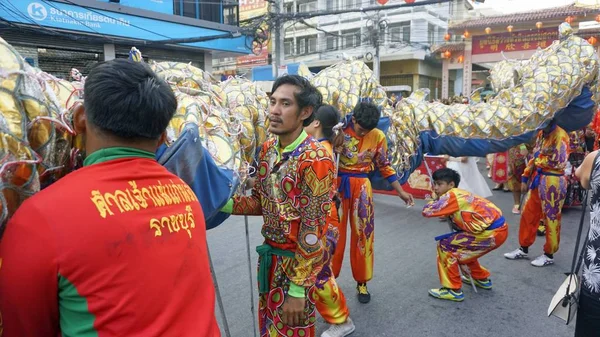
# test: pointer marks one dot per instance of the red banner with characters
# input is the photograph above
(517, 41)
(419, 183)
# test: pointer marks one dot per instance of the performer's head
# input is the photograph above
(365, 118)
(326, 119)
(126, 104)
(292, 104)
(444, 180)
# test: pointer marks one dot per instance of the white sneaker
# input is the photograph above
(516, 254)
(542, 261)
(340, 330)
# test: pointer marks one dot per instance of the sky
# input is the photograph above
(511, 6)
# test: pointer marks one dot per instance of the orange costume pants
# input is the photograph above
(543, 202)
(331, 302)
(357, 206)
(463, 249)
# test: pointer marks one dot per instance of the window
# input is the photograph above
(189, 9)
(288, 47)
(289, 8)
(332, 42)
(312, 45)
(351, 38)
(331, 4)
(400, 32)
(430, 33)
(351, 4)
(302, 46)
(307, 7)
(230, 15)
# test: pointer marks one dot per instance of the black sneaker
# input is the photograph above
(363, 293)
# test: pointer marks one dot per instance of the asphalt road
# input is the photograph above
(405, 268)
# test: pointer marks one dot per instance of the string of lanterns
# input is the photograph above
(488, 30)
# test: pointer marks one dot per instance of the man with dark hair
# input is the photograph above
(364, 149)
(479, 228)
(117, 247)
(293, 193)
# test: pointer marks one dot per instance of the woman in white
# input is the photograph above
(471, 179)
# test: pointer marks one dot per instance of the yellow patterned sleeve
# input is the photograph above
(316, 171)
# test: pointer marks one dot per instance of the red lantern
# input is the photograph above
(382, 2)
(447, 37)
(461, 59)
(592, 40)
(598, 18)
(488, 30)
(466, 34)
(510, 28)
(447, 54)
(410, 1)
(569, 19)
(539, 24)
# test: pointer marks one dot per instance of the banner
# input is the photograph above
(419, 183)
(517, 41)
(252, 8)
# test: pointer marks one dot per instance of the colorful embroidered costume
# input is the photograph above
(516, 166)
(331, 302)
(359, 157)
(293, 193)
(116, 248)
(480, 227)
(547, 189)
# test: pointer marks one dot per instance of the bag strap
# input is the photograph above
(577, 259)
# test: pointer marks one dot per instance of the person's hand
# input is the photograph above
(524, 152)
(292, 309)
(250, 182)
(524, 188)
(408, 198)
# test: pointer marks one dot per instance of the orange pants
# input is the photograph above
(543, 202)
(330, 302)
(359, 210)
(464, 248)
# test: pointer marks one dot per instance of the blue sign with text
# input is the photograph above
(73, 17)
(161, 6)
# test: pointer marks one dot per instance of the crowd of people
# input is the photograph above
(72, 264)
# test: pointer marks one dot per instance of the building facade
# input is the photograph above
(57, 35)
(478, 42)
(404, 35)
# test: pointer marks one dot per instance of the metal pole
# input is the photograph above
(278, 36)
(219, 300)
(254, 317)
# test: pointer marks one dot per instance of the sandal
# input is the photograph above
(516, 210)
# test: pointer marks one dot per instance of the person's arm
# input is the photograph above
(28, 276)
(446, 205)
(382, 163)
(584, 171)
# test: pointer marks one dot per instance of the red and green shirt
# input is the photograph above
(116, 248)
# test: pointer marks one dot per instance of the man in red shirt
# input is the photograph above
(118, 247)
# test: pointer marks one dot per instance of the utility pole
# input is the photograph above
(278, 36)
(376, 27)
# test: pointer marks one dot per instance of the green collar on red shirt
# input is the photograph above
(292, 146)
(112, 153)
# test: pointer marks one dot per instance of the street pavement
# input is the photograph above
(405, 268)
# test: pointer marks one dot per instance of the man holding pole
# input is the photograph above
(293, 192)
